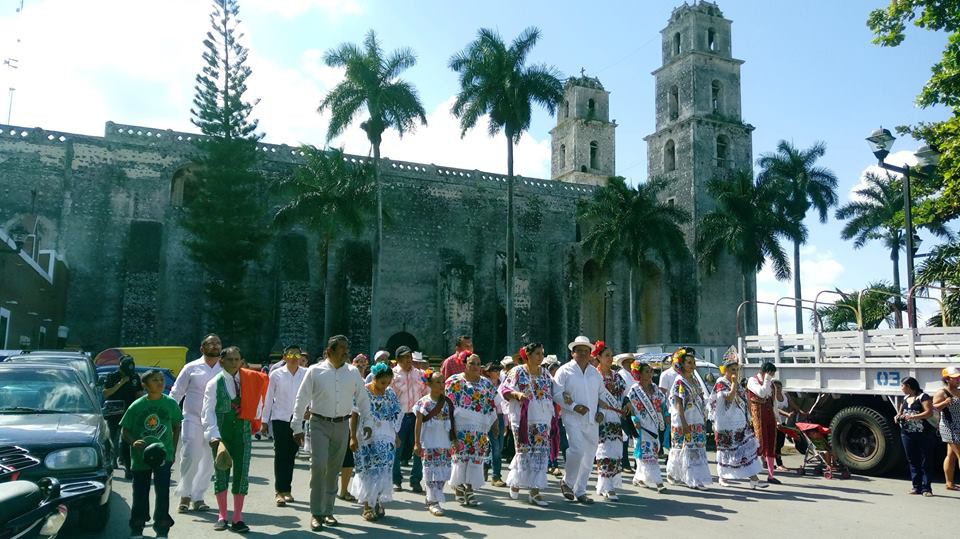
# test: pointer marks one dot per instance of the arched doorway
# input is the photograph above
(402, 339)
(591, 300)
(650, 304)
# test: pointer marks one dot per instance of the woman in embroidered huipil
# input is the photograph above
(529, 390)
(688, 439)
(433, 436)
(737, 445)
(373, 458)
(610, 448)
(474, 413)
(648, 406)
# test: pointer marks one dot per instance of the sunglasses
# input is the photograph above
(293, 355)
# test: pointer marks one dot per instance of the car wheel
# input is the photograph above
(95, 517)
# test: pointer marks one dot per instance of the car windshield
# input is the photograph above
(44, 390)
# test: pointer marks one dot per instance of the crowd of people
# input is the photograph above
(359, 422)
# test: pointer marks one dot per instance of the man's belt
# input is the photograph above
(331, 419)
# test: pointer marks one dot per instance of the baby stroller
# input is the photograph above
(817, 455)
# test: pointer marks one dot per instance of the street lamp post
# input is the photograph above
(611, 288)
(880, 142)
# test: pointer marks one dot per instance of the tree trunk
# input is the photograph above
(797, 292)
(632, 333)
(377, 248)
(895, 257)
(511, 249)
(749, 325)
(327, 293)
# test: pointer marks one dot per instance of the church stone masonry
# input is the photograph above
(111, 205)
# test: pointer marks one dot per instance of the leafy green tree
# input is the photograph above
(889, 27)
(633, 224)
(329, 194)
(495, 81)
(748, 225)
(877, 305)
(806, 186)
(373, 84)
(226, 217)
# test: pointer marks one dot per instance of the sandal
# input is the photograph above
(346, 497)
(469, 498)
(951, 486)
(381, 512)
(200, 506)
(368, 514)
(183, 508)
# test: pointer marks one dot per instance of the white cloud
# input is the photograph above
(901, 158)
(819, 270)
(335, 9)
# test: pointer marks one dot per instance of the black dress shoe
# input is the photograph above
(330, 521)
(316, 524)
(416, 488)
(220, 525)
(240, 527)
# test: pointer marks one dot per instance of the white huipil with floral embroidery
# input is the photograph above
(648, 412)
(474, 413)
(688, 451)
(531, 460)
(436, 444)
(372, 482)
(737, 446)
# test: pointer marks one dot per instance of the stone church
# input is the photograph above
(110, 208)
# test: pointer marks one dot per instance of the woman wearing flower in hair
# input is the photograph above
(688, 439)
(434, 434)
(737, 446)
(648, 406)
(473, 413)
(610, 449)
(529, 390)
(373, 456)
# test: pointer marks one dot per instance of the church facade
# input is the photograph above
(110, 207)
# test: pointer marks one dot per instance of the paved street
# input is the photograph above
(803, 507)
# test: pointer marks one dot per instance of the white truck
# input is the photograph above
(850, 381)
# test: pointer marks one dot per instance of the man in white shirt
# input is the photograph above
(409, 386)
(277, 413)
(195, 459)
(576, 388)
(330, 389)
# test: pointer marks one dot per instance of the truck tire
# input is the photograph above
(865, 440)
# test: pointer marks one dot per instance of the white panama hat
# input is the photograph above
(582, 341)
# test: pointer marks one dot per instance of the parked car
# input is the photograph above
(49, 410)
(168, 377)
(82, 364)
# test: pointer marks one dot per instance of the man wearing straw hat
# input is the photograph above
(577, 387)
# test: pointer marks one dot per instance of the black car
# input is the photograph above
(84, 366)
(50, 411)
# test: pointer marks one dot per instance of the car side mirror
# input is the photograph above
(113, 408)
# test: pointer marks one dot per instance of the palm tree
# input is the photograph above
(875, 216)
(748, 225)
(372, 82)
(329, 194)
(495, 81)
(806, 186)
(942, 268)
(631, 222)
(877, 306)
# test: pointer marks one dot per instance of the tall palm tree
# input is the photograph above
(631, 222)
(495, 81)
(806, 186)
(372, 82)
(875, 216)
(942, 268)
(748, 225)
(328, 194)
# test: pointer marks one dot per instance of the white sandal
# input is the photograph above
(537, 499)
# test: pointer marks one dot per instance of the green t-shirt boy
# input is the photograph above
(152, 415)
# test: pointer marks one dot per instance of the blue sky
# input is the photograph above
(811, 74)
